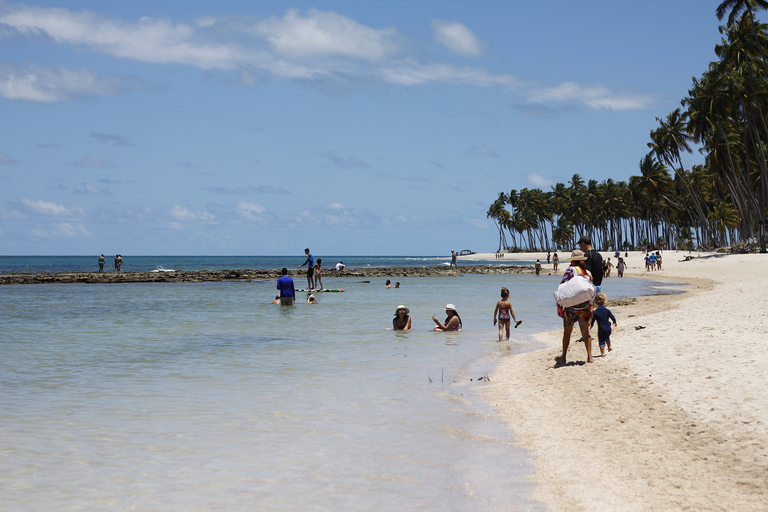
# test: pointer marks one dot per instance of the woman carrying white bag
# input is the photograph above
(574, 302)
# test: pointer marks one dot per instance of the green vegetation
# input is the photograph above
(720, 203)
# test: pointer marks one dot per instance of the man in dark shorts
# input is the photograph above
(310, 269)
(287, 292)
(594, 262)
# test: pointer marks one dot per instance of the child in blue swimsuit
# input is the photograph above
(603, 317)
(504, 312)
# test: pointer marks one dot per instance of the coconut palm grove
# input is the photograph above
(721, 203)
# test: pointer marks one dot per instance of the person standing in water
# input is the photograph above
(310, 269)
(287, 291)
(318, 274)
(504, 312)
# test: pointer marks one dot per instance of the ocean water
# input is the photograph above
(19, 264)
(204, 396)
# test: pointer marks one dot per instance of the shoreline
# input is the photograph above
(675, 418)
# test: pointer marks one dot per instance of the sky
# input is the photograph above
(225, 127)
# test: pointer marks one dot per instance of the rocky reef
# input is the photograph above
(198, 276)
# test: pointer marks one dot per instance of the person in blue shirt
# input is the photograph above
(603, 317)
(310, 268)
(287, 292)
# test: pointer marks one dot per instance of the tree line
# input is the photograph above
(720, 203)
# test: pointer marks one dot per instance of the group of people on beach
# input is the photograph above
(652, 261)
(586, 264)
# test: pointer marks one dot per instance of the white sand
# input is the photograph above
(675, 418)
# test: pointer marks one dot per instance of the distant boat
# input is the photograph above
(466, 252)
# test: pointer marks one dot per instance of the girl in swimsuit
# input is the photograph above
(504, 311)
(452, 322)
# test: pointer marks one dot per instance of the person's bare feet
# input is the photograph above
(590, 360)
(560, 359)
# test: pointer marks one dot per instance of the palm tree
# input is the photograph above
(738, 7)
(724, 217)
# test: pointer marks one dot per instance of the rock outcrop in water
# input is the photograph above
(198, 276)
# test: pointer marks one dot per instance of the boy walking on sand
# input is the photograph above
(603, 317)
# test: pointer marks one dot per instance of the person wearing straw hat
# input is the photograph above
(581, 313)
(402, 320)
(452, 321)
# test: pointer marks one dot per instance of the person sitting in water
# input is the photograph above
(277, 299)
(311, 299)
(397, 284)
(402, 320)
(389, 283)
(452, 321)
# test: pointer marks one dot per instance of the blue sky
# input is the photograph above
(360, 128)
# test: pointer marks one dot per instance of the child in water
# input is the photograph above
(603, 317)
(504, 312)
(318, 275)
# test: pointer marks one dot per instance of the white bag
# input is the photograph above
(576, 290)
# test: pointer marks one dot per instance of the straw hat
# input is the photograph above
(577, 255)
(450, 307)
(402, 307)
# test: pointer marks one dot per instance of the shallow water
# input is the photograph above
(146, 396)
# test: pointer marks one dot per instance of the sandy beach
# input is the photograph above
(674, 418)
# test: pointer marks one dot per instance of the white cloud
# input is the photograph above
(61, 230)
(350, 162)
(48, 208)
(7, 159)
(47, 85)
(107, 138)
(538, 181)
(92, 161)
(482, 151)
(10, 214)
(186, 215)
(92, 189)
(148, 40)
(327, 34)
(322, 49)
(249, 211)
(458, 38)
(596, 97)
(411, 73)
(479, 223)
